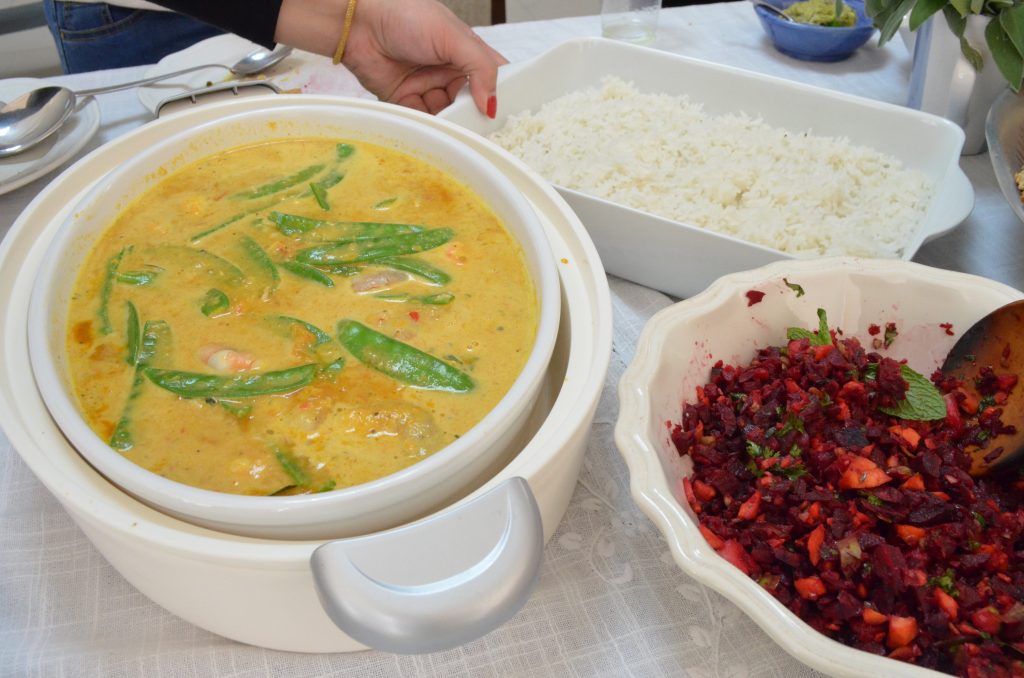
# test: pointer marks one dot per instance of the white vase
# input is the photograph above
(943, 82)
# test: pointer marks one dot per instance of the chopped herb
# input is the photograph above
(793, 286)
(890, 334)
(946, 582)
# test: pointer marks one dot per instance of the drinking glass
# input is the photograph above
(630, 20)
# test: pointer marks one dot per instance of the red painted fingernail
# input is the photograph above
(492, 106)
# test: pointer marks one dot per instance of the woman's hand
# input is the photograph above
(416, 53)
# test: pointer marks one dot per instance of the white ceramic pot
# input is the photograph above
(262, 591)
(393, 500)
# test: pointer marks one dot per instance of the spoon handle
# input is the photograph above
(144, 81)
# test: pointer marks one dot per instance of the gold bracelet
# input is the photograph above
(350, 12)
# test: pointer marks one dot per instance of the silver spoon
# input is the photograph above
(32, 117)
(35, 115)
(773, 10)
(252, 63)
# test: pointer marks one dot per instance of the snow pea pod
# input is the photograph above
(287, 320)
(258, 256)
(215, 303)
(281, 184)
(321, 197)
(214, 228)
(291, 466)
(400, 361)
(294, 224)
(136, 278)
(197, 385)
(192, 259)
(133, 333)
(156, 335)
(103, 314)
(377, 248)
(306, 271)
(418, 268)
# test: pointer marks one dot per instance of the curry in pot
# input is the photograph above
(298, 316)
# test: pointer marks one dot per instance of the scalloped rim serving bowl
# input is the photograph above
(679, 345)
(815, 43)
(395, 499)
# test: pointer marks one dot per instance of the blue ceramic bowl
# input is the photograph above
(815, 43)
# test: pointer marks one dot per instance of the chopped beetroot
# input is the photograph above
(867, 526)
(754, 297)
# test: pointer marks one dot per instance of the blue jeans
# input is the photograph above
(94, 36)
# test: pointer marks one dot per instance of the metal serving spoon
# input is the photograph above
(773, 10)
(994, 341)
(35, 115)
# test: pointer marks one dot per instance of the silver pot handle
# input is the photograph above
(438, 583)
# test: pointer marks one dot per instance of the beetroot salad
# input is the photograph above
(838, 480)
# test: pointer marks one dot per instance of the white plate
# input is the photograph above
(300, 72)
(20, 169)
(682, 259)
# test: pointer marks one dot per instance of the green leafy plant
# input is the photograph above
(1004, 32)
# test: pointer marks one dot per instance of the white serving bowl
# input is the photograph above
(239, 587)
(682, 259)
(680, 344)
(392, 500)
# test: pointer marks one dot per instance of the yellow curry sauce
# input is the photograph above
(298, 316)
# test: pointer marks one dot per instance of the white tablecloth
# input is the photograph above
(610, 600)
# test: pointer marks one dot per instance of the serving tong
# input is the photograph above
(213, 93)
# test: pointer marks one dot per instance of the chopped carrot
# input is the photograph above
(987, 619)
(908, 434)
(703, 491)
(810, 588)
(734, 552)
(820, 352)
(911, 534)
(969, 403)
(902, 631)
(749, 509)
(946, 603)
(814, 542)
(914, 482)
(862, 474)
(690, 498)
(873, 616)
(713, 540)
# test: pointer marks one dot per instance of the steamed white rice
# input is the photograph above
(800, 193)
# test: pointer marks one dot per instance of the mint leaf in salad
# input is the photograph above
(819, 338)
(923, 402)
